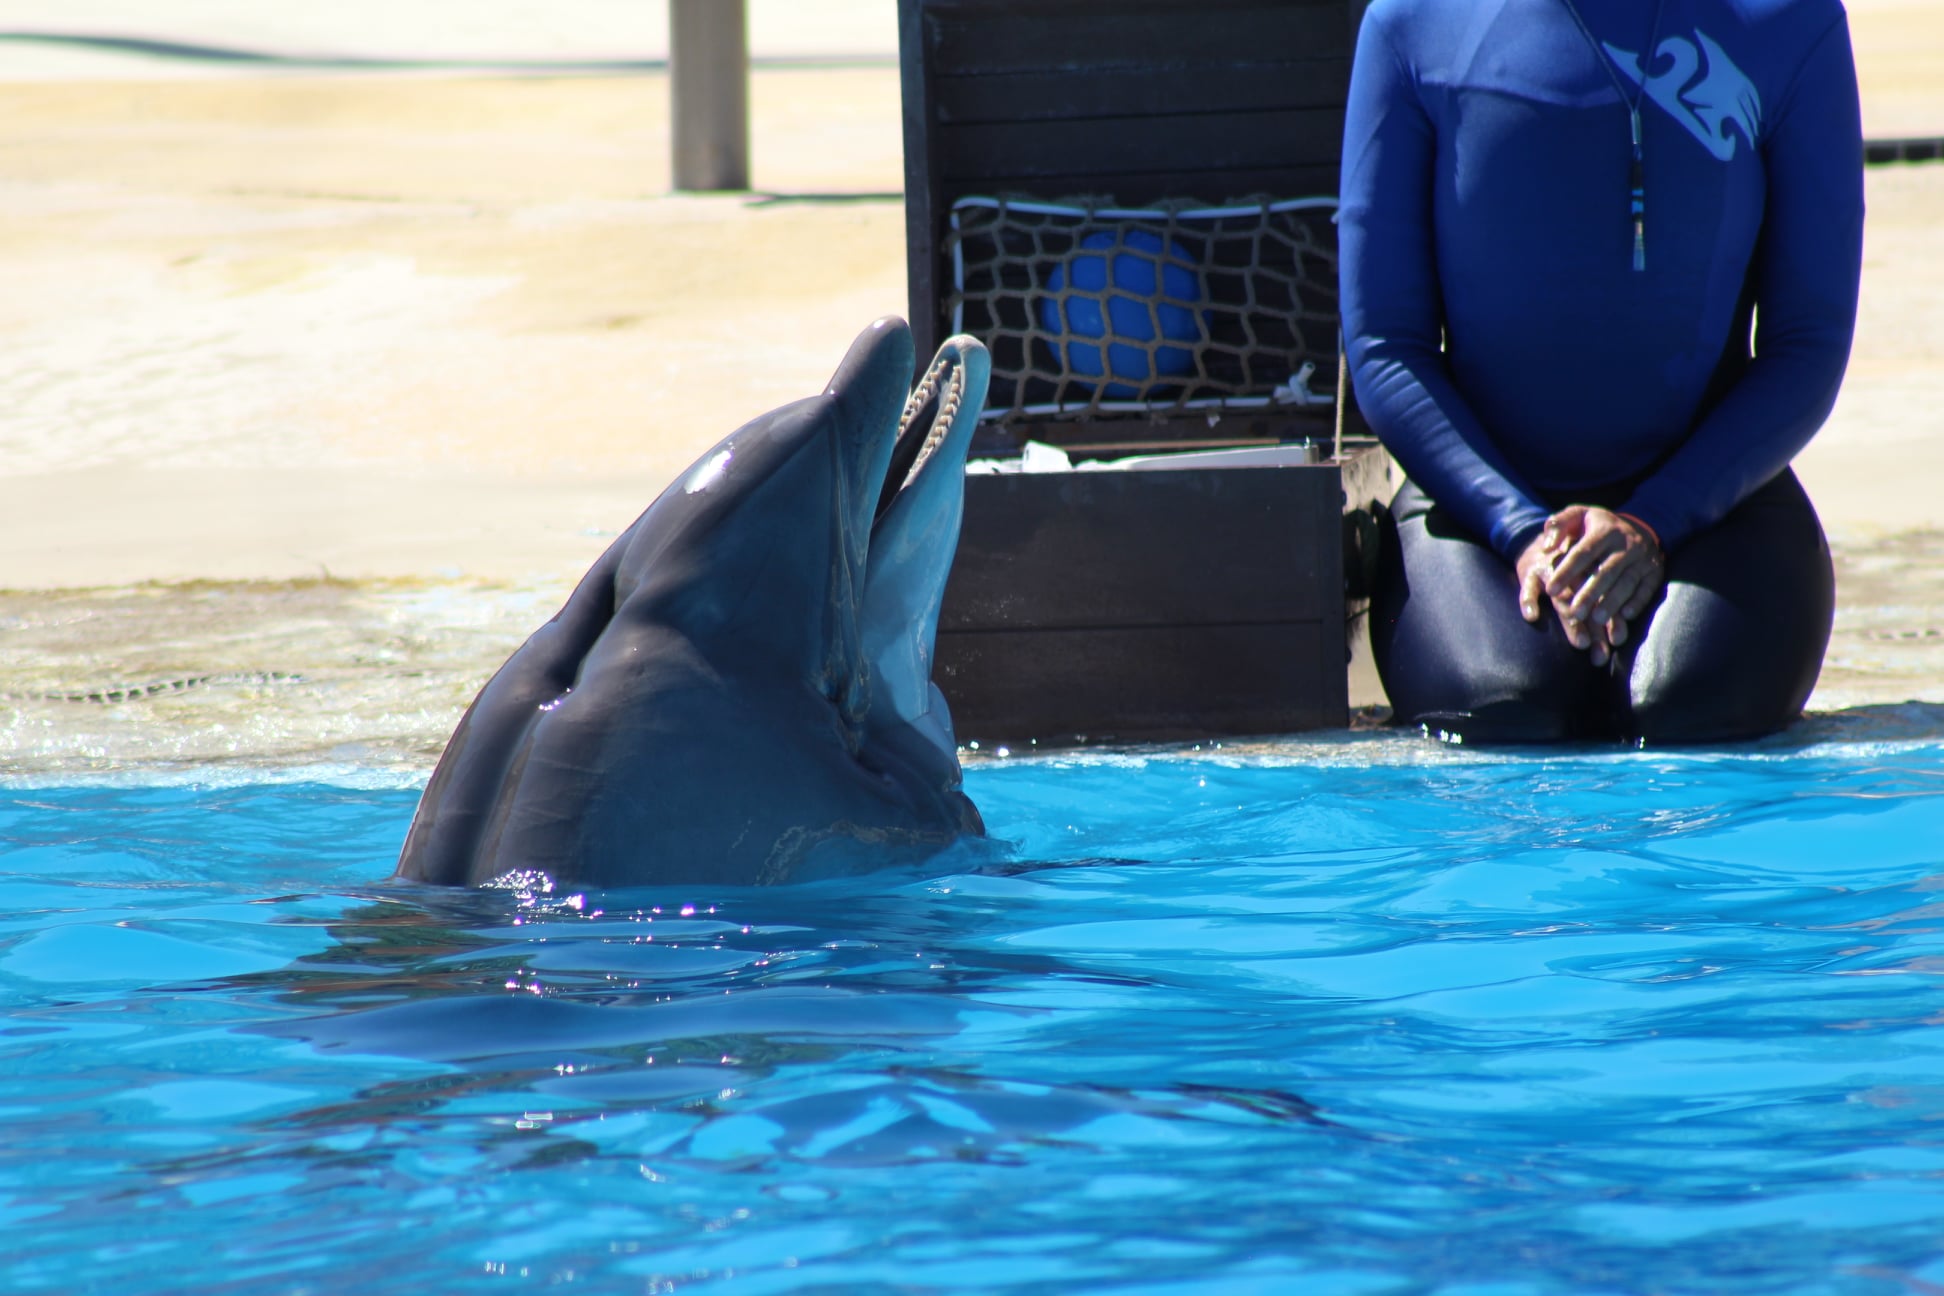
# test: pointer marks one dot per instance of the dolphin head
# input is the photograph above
(746, 673)
(840, 515)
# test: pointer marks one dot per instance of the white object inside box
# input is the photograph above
(1039, 457)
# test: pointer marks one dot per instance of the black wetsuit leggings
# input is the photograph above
(1730, 650)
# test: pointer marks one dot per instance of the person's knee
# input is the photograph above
(1455, 657)
(1711, 672)
(1482, 689)
(1677, 716)
(1702, 701)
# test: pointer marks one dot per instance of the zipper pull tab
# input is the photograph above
(1637, 200)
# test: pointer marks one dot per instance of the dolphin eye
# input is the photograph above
(708, 472)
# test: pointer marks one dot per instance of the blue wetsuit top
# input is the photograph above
(1502, 344)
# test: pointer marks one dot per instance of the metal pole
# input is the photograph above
(708, 74)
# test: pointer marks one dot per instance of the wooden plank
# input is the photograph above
(1143, 685)
(1065, 94)
(1140, 187)
(1143, 145)
(1131, 549)
(709, 93)
(1881, 152)
(987, 37)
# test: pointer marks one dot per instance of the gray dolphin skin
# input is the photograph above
(739, 691)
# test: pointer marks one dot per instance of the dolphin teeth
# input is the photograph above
(945, 372)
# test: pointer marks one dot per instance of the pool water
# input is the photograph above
(1366, 1018)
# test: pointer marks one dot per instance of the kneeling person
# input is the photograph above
(1552, 264)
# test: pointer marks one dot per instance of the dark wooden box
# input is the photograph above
(1136, 605)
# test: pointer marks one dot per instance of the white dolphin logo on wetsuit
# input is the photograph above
(1721, 97)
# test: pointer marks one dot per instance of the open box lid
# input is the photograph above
(1176, 159)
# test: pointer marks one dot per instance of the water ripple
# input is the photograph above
(1392, 1021)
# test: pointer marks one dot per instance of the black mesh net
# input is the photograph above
(1089, 308)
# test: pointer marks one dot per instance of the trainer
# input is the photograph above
(1563, 224)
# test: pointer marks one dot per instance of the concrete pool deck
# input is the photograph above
(451, 330)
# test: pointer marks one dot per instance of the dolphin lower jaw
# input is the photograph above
(915, 536)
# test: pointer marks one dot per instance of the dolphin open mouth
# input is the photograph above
(937, 407)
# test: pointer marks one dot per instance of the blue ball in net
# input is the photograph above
(1153, 297)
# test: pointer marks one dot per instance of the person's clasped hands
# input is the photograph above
(1599, 569)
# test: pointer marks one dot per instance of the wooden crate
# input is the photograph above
(1138, 605)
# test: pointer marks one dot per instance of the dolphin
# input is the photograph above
(739, 691)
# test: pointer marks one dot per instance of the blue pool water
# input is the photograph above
(1386, 1018)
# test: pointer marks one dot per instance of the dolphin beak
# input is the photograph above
(869, 389)
(939, 416)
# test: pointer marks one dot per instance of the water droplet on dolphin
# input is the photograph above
(708, 471)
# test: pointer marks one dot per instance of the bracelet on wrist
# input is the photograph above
(1651, 533)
